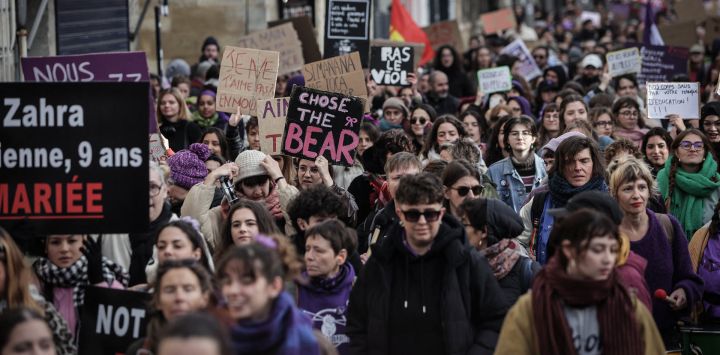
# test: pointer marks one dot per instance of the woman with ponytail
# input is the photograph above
(577, 304)
(689, 182)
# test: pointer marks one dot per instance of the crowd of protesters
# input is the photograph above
(534, 221)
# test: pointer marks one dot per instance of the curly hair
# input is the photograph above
(256, 260)
(317, 200)
(431, 140)
(619, 146)
(423, 188)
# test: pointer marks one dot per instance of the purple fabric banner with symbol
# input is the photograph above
(115, 67)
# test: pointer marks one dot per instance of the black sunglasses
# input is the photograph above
(464, 190)
(414, 215)
(422, 120)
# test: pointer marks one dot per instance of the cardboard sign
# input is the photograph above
(528, 68)
(679, 34)
(74, 160)
(673, 98)
(445, 32)
(593, 16)
(690, 10)
(305, 30)
(322, 123)
(282, 39)
(660, 63)
(114, 67)
(495, 80)
(496, 21)
(343, 75)
(271, 122)
(625, 61)
(390, 65)
(112, 320)
(347, 28)
(246, 75)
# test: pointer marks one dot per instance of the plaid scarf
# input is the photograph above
(76, 275)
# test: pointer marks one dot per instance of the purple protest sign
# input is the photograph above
(116, 67)
(662, 63)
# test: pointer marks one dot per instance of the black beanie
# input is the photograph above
(208, 41)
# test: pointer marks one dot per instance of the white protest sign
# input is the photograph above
(681, 99)
(593, 16)
(528, 68)
(626, 61)
(494, 80)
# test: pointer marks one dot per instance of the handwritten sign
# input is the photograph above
(528, 68)
(445, 32)
(116, 67)
(271, 119)
(343, 75)
(496, 21)
(593, 16)
(625, 61)
(283, 39)
(673, 98)
(246, 75)
(306, 32)
(390, 65)
(679, 33)
(418, 48)
(322, 123)
(662, 63)
(112, 319)
(495, 80)
(347, 28)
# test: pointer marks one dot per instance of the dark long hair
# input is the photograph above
(224, 148)
(457, 65)
(431, 140)
(193, 236)
(266, 224)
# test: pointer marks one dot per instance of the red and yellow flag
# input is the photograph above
(404, 29)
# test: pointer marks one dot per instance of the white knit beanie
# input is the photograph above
(248, 163)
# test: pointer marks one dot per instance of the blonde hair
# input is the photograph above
(182, 111)
(627, 170)
(19, 277)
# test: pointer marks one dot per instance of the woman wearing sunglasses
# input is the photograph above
(421, 120)
(689, 182)
(462, 182)
(522, 171)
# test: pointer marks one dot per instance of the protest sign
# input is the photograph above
(679, 33)
(347, 28)
(305, 30)
(593, 16)
(496, 21)
(271, 122)
(528, 68)
(115, 67)
(343, 75)
(246, 75)
(321, 123)
(390, 65)
(291, 9)
(65, 168)
(660, 63)
(690, 10)
(158, 148)
(418, 48)
(494, 80)
(282, 39)
(445, 33)
(681, 99)
(625, 61)
(112, 319)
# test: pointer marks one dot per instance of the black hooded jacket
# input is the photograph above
(446, 301)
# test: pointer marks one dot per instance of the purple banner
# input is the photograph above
(661, 63)
(115, 67)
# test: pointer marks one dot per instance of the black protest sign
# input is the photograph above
(111, 320)
(391, 65)
(322, 123)
(347, 28)
(74, 157)
(662, 63)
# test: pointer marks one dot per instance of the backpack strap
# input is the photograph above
(667, 226)
(536, 210)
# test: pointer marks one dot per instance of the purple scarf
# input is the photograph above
(286, 332)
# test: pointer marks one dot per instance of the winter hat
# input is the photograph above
(298, 80)
(248, 163)
(187, 167)
(396, 103)
(524, 105)
(208, 41)
(555, 142)
(177, 67)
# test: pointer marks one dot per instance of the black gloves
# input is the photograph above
(92, 251)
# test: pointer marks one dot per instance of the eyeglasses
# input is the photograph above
(155, 190)
(630, 113)
(711, 124)
(517, 134)
(464, 190)
(694, 145)
(413, 216)
(420, 120)
(603, 123)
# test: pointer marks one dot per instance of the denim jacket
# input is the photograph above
(510, 186)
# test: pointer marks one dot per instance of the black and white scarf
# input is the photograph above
(76, 275)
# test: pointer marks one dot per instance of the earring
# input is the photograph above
(402, 224)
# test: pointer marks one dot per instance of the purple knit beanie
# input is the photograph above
(187, 167)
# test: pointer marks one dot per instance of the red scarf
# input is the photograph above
(272, 202)
(552, 288)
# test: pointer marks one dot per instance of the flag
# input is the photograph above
(651, 34)
(404, 29)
